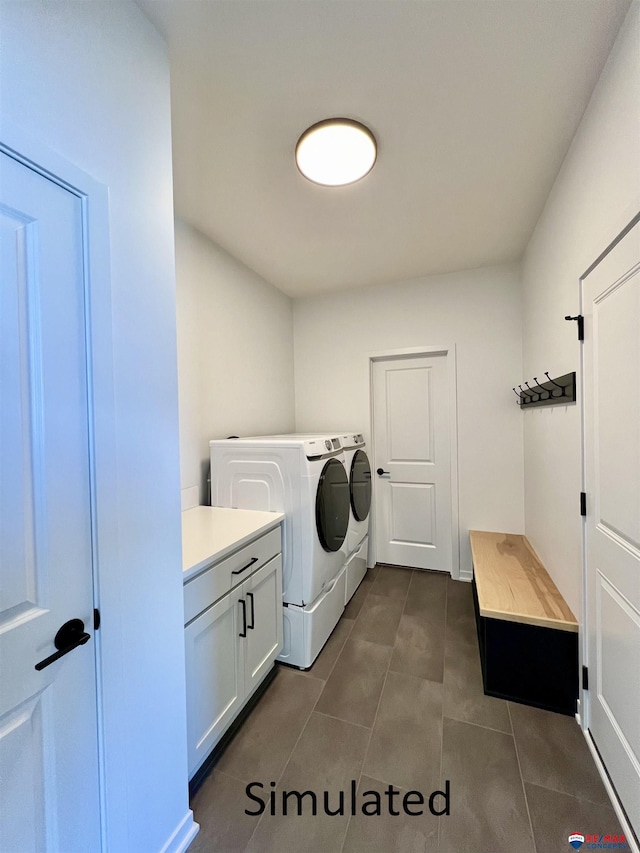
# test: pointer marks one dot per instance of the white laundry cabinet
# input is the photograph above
(232, 566)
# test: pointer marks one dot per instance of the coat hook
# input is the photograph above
(561, 387)
(544, 393)
(528, 396)
(533, 393)
(544, 390)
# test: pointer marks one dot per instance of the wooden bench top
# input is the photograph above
(513, 585)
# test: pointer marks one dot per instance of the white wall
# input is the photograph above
(91, 80)
(480, 311)
(235, 352)
(596, 193)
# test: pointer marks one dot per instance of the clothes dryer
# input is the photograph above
(359, 474)
(305, 478)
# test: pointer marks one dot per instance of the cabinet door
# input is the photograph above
(263, 594)
(214, 674)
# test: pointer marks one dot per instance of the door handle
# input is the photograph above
(69, 637)
(380, 472)
(253, 615)
(243, 633)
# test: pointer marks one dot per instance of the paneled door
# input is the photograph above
(263, 594)
(49, 794)
(213, 648)
(412, 462)
(611, 307)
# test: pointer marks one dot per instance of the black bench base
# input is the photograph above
(527, 663)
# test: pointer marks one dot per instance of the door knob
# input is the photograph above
(380, 472)
(69, 637)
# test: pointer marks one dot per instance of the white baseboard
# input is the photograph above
(624, 823)
(466, 575)
(184, 834)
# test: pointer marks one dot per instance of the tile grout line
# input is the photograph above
(342, 720)
(336, 718)
(524, 790)
(600, 804)
(324, 680)
(222, 773)
(477, 725)
(324, 684)
(255, 829)
(375, 717)
(404, 603)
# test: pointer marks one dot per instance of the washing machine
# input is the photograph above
(357, 539)
(305, 478)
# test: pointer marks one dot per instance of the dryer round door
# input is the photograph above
(332, 506)
(360, 485)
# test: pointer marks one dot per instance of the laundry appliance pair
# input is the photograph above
(306, 478)
(357, 540)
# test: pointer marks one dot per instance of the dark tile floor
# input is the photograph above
(395, 697)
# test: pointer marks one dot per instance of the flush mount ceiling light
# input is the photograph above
(336, 152)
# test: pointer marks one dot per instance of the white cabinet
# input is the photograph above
(215, 675)
(232, 638)
(263, 595)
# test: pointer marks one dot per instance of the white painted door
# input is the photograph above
(214, 653)
(611, 307)
(48, 724)
(263, 595)
(412, 498)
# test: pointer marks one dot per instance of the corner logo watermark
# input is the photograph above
(593, 841)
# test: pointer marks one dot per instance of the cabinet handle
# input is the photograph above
(243, 633)
(253, 615)
(244, 568)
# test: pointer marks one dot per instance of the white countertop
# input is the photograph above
(210, 533)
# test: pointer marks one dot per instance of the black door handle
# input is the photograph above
(69, 637)
(243, 633)
(253, 615)
(380, 472)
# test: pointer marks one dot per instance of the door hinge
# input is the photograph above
(585, 677)
(583, 503)
(580, 321)
(96, 618)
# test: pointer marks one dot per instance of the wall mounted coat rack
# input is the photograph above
(549, 392)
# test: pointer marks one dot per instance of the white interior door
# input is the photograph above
(48, 723)
(412, 498)
(611, 307)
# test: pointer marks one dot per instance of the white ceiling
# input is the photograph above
(473, 102)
